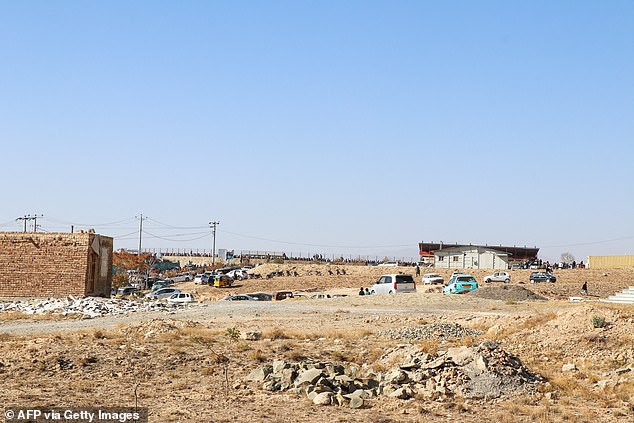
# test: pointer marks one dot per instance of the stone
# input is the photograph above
(569, 367)
(279, 366)
(308, 377)
(401, 393)
(260, 374)
(460, 355)
(356, 402)
(324, 398)
(254, 335)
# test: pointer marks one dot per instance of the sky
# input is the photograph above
(348, 127)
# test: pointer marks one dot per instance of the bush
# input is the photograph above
(598, 321)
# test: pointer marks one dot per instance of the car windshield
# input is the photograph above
(466, 279)
(432, 275)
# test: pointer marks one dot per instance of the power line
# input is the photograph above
(176, 227)
(176, 240)
(589, 243)
(319, 245)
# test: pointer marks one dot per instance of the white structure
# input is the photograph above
(471, 257)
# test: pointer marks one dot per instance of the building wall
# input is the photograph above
(611, 262)
(470, 258)
(55, 264)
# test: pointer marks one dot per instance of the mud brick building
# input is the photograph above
(35, 264)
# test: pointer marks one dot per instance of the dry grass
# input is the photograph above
(7, 316)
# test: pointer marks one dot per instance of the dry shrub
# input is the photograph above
(430, 346)
(258, 356)
(275, 333)
(530, 323)
(295, 355)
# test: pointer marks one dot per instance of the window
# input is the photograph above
(441, 258)
(455, 258)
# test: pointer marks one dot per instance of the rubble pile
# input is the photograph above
(430, 331)
(485, 371)
(88, 307)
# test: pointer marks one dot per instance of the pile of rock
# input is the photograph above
(430, 331)
(484, 371)
(88, 307)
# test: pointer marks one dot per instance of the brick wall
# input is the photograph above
(54, 264)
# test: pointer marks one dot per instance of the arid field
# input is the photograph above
(193, 364)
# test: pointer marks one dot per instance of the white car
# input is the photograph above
(394, 284)
(498, 277)
(432, 279)
(184, 277)
(238, 274)
(181, 298)
(388, 264)
(162, 293)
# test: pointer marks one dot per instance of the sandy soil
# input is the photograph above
(177, 362)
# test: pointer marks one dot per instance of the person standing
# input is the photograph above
(417, 270)
(584, 288)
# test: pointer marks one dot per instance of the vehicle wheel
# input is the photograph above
(487, 281)
(507, 281)
(372, 292)
(186, 279)
(391, 292)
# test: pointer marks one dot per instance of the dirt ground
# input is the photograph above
(191, 365)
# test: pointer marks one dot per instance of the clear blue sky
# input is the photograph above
(372, 124)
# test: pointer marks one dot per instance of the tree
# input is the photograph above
(567, 258)
(123, 261)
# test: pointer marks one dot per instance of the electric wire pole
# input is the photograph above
(141, 219)
(28, 217)
(213, 233)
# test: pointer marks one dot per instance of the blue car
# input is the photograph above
(461, 284)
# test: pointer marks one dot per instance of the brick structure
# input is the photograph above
(55, 264)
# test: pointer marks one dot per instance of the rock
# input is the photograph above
(356, 402)
(460, 355)
(569, 367)
(278, 366)
(401, 393)
(325, 398)
(396, 376)
(254, 335)
(308, 377)
(260, 374)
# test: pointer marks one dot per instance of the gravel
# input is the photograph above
(430, 331)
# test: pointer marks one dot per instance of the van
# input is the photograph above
(394, 284)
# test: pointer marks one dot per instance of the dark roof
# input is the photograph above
(516, 253)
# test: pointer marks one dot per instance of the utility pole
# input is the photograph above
(28, 217)
(213, 233)
(35, 216)
(141, 219)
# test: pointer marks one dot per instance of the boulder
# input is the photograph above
(260, 374)
(308, 377)
(324, 398)
(254, 335)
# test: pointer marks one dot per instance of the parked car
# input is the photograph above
(160, 284)
(238, 274)
(240, 297)
(261, 296)
(181, 298)
(184, 277)
(388, 264)
(281, 295)
(394, 284)
(202, 278)
(498, 277)
(460, 284)
(542, 277)
(432, 279)
(162, 293)
(516, 266)
(125, 291)
(319, 296)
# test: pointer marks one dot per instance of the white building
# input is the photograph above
(471, 257)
